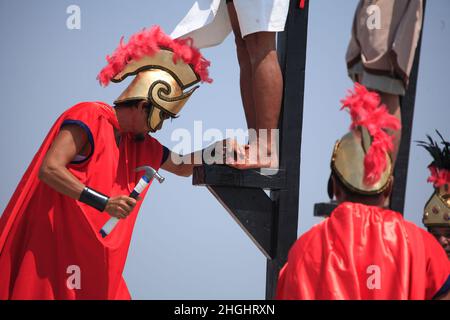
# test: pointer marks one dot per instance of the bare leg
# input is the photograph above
(267, 78)
(393, 104)
(245, 70)
(261, 89)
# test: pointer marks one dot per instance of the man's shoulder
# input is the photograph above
(421, 238)
(88, 106)
(419, 232)
(88, 111)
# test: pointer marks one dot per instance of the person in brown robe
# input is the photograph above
(381, 51)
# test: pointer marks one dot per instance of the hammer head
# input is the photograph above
(151, 173)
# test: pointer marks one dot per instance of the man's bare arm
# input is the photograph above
(70, 141)
(53, 171)
(184, 165)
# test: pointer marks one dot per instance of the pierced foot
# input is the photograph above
(252, 157)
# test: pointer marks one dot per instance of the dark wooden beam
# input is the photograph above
(407, 111)
(220, 175)
(292, 52)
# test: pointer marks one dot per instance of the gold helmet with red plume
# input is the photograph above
(437, 209)
(165, 71)
(361, 159)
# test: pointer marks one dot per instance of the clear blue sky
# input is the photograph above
(185, 245)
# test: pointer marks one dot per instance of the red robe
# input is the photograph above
(364, 252)
(43, 233)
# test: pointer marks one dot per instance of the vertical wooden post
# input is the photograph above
(407, 110)
(292, 52)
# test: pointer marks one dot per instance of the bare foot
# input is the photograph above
(252, 156)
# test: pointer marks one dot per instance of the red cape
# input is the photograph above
(43, 233)
(364, 252)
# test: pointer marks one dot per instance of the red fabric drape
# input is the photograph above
(364, 252)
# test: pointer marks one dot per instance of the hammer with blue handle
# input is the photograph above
(150, 173)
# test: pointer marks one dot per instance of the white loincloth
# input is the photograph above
(208, 23)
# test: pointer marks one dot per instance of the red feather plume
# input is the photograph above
(366, 111)
(439, 176)
(147, 43)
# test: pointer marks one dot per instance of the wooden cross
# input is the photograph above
(271, 221)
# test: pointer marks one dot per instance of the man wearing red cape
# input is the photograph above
(50, 245)
(363, 251)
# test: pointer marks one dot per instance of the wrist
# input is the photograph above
(94, 199)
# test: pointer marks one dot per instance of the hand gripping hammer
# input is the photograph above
(150, 173)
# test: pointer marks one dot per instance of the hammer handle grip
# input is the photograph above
(108, 226)
(111, 223)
